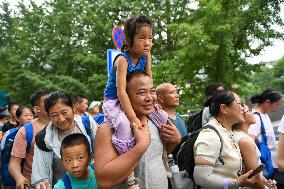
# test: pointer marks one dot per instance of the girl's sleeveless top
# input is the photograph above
(111, 89)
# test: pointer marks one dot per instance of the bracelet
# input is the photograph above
(231, 184)
(226, 183)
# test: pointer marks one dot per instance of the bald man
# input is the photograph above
(168, 98)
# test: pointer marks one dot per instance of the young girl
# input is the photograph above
(135, 56)
(267, 102)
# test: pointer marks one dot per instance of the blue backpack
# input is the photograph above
(87, 125)
(264, 151)
(7, 179)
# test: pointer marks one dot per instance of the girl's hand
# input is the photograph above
(142, 136)
(245, 181)
(137, 123)
(157, 107)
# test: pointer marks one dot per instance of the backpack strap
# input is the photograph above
(221, 149)
(29, 135)
(67, 182)
(39, 139)
(262, 129)
(87, 125)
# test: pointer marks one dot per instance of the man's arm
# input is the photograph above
(280, 153)
(17, 155)
(170, 136)
(112, 169)
(15, 171)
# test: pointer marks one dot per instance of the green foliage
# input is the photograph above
(62, 44)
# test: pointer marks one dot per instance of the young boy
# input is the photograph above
(76, 155)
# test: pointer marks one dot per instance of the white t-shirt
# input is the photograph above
(254, 129)
(281, 125)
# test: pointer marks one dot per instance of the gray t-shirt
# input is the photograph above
(62, 135)
(150, 170)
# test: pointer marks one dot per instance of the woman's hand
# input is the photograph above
(245, 181)
(44, 185)
(271, 184)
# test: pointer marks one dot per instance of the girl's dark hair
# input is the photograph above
(268, 94)
(20, 110)
(222, 97)
(56, 96)
(131, 27)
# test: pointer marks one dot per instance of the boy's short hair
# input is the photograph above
(34, 98)
(79, 98)
(74, 140)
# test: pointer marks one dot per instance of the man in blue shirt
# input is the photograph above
(168, 98)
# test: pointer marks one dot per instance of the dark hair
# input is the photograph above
(79, 98)
(56, 96)
(222, 97)
(73, 140)
(135, 74)
(211, 89)
(2, 109)
(34, 98)
(20, 110)
(132, 25)
(11, 104)
(268, 94)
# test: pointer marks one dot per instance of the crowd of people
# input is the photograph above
(64, 143)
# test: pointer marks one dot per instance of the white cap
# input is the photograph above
(94, 103)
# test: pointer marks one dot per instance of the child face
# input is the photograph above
(142, 42)
(76, 160)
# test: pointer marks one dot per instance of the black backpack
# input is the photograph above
(185, 154)
(194, 122)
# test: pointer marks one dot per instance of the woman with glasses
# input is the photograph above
(210, 171)
(268, 101)
(249, 151)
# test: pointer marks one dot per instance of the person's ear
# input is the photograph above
(36, 110)
(127, 42)
(223, 109)
(267, 102)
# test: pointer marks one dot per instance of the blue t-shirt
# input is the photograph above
(179, 123)
(111, 90)
(90, 182)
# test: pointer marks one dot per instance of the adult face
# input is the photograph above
(248, 115)
(26, 116)
(62, 116)
(236, 111)
(170, 98)
(82, 106)
(13, 110)
(95, 110)
(76, 160)
(141, 93)
(272, 106)
(39, 109)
